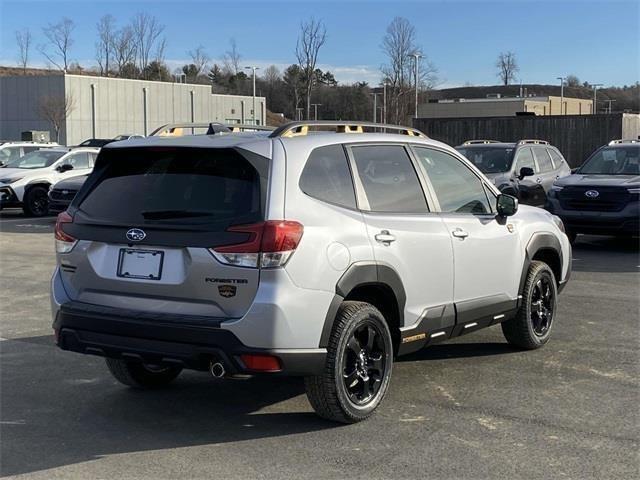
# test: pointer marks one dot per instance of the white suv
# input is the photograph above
(25, 181)
(321, 255)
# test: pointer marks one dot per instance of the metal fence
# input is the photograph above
(575, 135)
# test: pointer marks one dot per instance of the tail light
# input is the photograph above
(64, 241)
(270, 244)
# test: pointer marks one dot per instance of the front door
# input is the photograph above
(530, 188)
(486, 249)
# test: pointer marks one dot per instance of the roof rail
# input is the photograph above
(177, 129)
(301, 128)
(533, 142)
(479, 142)
(617, 142)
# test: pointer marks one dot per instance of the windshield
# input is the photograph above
(177, 185)
(37, 159)
(613, 161)
(489, 159)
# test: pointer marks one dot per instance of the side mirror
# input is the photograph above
(525, 172)
(64, 167)
(506, 205)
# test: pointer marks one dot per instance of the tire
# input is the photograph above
(531, 327)
(36, 202)
(354, 396)
(139, 375)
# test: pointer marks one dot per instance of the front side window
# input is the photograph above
(457, 188)
(489, 159)
(9, 154)
(79, 160)
(543, 159)
(524, 158)
(389, 180)
(326, 176)
(613, 161)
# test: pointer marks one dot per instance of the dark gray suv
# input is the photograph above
(526, 169)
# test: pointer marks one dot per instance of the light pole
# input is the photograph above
(253, 116)
(416, 56)
(610, 102)
(315, 109)
(375, 107)
(595, 96)
(561, 94)
(384, 101)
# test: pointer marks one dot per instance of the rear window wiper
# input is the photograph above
(164, 214)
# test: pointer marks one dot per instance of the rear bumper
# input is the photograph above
(120, 334)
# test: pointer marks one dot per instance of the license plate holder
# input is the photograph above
(141, 264)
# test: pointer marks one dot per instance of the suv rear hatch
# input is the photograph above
(145, 225)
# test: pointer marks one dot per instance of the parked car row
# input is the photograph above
(600, 197)
(32, 173)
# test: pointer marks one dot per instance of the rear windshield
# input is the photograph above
(489, 159)
(139, 186)
(613, 161)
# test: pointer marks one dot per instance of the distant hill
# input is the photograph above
(625, 98)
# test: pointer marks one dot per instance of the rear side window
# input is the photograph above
(556, 157)
(543, 159)
(326, 176)
(220, 187)
(389, 180)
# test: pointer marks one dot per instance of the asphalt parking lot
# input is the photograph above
(473, 408)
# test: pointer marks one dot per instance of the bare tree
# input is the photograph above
(231, 58)
(59, 36)
(104, 45)
(23, 39)
(123, 50)
(398, 44)
(507, 67)
(271, 75)
(146, 32)
(313, 35)
(55, 110)
(200, 59)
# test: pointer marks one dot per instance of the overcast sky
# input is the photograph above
(596, 40)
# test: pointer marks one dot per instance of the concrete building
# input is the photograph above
(106, 107)
(503, 107)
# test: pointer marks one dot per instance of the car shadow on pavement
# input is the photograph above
(60, 408)
(606, 254)
(446, 351)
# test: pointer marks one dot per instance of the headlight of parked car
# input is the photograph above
(10, 180)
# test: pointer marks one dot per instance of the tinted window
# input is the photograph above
(524, 158)
(390, 183)
(543, 159)
(218, 187)
(326, 176)
(556, 157)
(613, 161)
(489, 159)
(458, 189)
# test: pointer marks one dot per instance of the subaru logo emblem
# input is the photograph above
(136, 235)
(592, 193)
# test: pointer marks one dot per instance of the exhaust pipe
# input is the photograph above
(217, 369)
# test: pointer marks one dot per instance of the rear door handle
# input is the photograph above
(460, 233)
(385, 237)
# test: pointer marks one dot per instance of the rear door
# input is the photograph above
(146, 219)
(404, 233)
(486, 251)
(545, 165)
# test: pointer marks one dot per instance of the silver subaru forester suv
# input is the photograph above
(320, 249)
